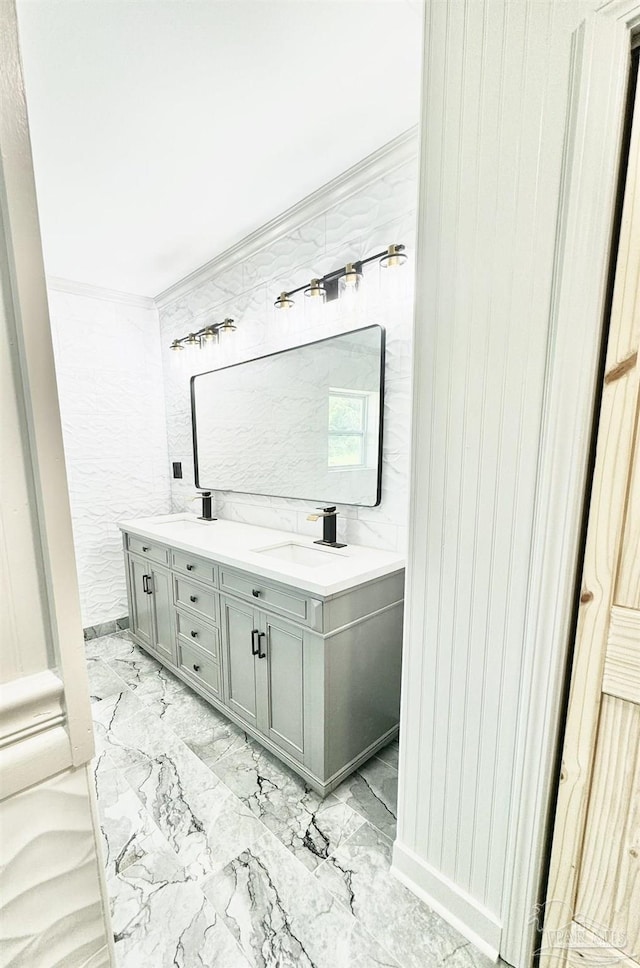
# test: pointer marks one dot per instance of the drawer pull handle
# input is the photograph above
(145, 548)
(261, 654)
(254, 649)
(193, 598)
(194, 635)
(256, 592)
(196, 668)
(189, 567)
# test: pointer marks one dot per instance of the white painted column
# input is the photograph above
(505, 154)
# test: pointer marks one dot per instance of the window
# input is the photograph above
(347, 428)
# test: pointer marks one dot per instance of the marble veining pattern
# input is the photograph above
(217, 855)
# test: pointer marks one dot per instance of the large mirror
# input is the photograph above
(303, 423)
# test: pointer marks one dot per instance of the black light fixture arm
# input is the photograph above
(209, 332)
(330, 280)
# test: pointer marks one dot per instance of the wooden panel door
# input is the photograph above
(280, 683)
(239, 631)
(592, 910)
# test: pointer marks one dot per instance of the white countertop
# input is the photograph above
(239, 545)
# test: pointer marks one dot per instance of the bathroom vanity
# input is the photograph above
(297, 644)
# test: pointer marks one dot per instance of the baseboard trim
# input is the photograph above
(458, 908)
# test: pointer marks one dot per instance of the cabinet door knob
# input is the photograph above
(189, 567)
(145, 548)
(256, 593)
(193, 598)
(196, 668)
(194, 635)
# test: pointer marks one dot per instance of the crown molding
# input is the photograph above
(98, 292)
(387, 158)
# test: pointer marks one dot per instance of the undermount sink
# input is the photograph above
(299, 554)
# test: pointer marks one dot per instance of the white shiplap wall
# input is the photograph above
(495, 113)
(360, 212)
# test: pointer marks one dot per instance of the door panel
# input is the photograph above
(594, 878)
(164, 640)
(238, 623)
(281, 684)
(609, 888)
(141, 622)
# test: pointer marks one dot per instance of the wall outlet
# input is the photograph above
(177, 468)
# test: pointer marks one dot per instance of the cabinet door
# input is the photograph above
(239, 632)
(164, 633)
(280, 684)
(141, 612)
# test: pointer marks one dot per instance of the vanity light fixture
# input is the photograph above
(211, 335)
(207, 336)
(284, 302)
(315, 290)
(394, 257)
(344, 281)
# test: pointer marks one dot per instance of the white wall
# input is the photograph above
(358, 214)
(110, 384)
(495, 119)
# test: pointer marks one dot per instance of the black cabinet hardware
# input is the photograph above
(189, 567)
(254, 649)
(145, 548)
(194, 635)
(193, 598)
(256, 593)
(144, 584)
(261, 635)
(196, 668)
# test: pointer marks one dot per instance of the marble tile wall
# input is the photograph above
(382, 212)
(110, 385)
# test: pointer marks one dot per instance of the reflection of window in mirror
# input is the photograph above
(351, 418)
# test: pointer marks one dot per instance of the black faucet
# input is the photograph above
(206, 507)
(329, 534)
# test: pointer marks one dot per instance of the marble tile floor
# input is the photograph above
(217, 855)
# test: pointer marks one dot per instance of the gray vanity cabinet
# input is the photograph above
(263, 662)
(280, 683)
(151, 607)
(239, 634)
(315, 679)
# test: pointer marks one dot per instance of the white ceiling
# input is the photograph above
(164, 131)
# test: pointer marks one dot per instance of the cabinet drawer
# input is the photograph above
(148, 549)
(200, 667)
(194, 567)
(191, 631)
(264, 594)
(197, 599)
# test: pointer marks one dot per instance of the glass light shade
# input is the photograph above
(228, 326)
(284, 301)
(210, 336)
(316, 295)
(350, 282)
(315, 290)
(176, 346)
(192, 342)
(394, 258)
